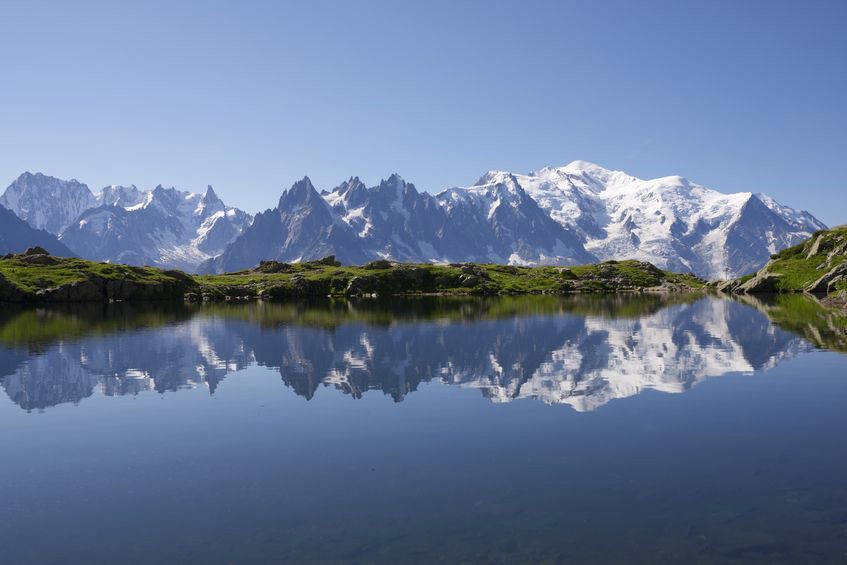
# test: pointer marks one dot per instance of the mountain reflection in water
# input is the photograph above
(581, 351)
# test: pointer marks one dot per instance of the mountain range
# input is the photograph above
(163, 227)
(578, 213)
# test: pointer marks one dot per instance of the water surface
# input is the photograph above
(539, 429)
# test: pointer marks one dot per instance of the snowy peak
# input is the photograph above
(163, 227)
(669, 221)
(123, 196)
(46, 202)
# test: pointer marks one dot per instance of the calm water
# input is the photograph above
(543, 430)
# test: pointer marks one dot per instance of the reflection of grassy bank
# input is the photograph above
(32, 327)
(387, 311)
(806, 316)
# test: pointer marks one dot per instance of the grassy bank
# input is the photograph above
(38, 277)
(819, 265)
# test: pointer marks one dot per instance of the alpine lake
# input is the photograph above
(632, 428)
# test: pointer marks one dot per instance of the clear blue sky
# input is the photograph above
(249, 96)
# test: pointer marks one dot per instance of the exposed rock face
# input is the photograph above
(301, 227)
(97, 289)
(828, 281)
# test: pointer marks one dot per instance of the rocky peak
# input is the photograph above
(210, 196)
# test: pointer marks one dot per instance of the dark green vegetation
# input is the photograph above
(817, 266)
(35, 276)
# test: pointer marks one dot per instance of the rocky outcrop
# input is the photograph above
(828, 281)
(98, 289)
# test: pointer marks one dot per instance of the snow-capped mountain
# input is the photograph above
(506, 225)
(164, 227)
(567, 215)
(391, 219)
(16, 235)
(574, 214)
(494, 222)
(670, 221)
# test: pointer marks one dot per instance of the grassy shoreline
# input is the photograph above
(35, 276)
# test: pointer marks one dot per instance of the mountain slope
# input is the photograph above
(16, 236)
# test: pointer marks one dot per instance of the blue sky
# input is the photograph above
(250, 96)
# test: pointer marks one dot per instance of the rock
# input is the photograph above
(474, 270)
(470, 280)
(814, 248)
(761, 283)
(9, 292)
(77, 291)
(827, 281)
(273, 267)
(329, 261)
(37, 250)
(413, 277)
(39, 259)
(378, 264)
(362, 285)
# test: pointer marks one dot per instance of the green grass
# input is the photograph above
(31, 274)
(798, 273)
(502, 279)
(797, 269)
(31, 278)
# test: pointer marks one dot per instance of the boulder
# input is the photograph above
(827, 281)
(9, 292)
(329, 261)
(37, 250)
(39, 259)
(378, 264)
(273, 267)
(763, 282)
(362, 285)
